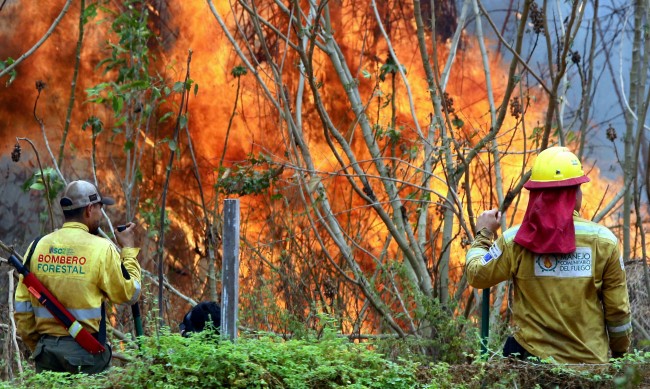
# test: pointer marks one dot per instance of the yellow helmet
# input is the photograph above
(556, 167)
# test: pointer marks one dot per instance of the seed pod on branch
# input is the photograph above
(536, 18)
(575, 57)
(15, 155)
(448, 103)
(515, 107)
(611, 133)
(40, 85)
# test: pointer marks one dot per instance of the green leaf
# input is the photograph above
(120, 121)
(239, 71)
(95, 125)
(12, 76)
(165, 117)
(90, 12)
(570, 136)
(5, 64)
(178, 87)
(128, 145)
(118, 104)
(536, 132)
(96, 90)
(196, 89)
(136, 85)
(172, 145)
(457, 122)
(37, 186)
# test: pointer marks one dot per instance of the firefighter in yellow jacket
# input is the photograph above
(80, 269)
(570, 294)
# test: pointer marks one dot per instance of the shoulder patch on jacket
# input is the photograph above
(493, 253)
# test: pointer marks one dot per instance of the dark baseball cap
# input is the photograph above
(79, 194)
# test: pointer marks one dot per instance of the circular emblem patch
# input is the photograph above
(547, 262)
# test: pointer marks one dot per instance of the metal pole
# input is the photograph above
(230, 270)
(137, 320)
(485, 320)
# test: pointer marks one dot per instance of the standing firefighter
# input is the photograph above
(570, 294)
(80, 270)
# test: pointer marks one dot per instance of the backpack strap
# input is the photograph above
(31, 252)
(101, 334)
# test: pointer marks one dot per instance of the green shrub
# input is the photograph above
(205, 361)
(267, 361)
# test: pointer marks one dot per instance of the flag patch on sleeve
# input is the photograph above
(493, 253)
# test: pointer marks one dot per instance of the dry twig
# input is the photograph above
(40, 42)
(12, 332)
(45, 182)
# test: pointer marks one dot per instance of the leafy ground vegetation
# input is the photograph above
(328, 361)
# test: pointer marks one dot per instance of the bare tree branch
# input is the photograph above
(38, 44)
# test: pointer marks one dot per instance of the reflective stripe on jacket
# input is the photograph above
(571, 307)
(80, 269)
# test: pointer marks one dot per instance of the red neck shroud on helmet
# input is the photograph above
(548, 227)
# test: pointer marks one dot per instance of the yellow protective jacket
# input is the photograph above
(571, 307)
(80, 270)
